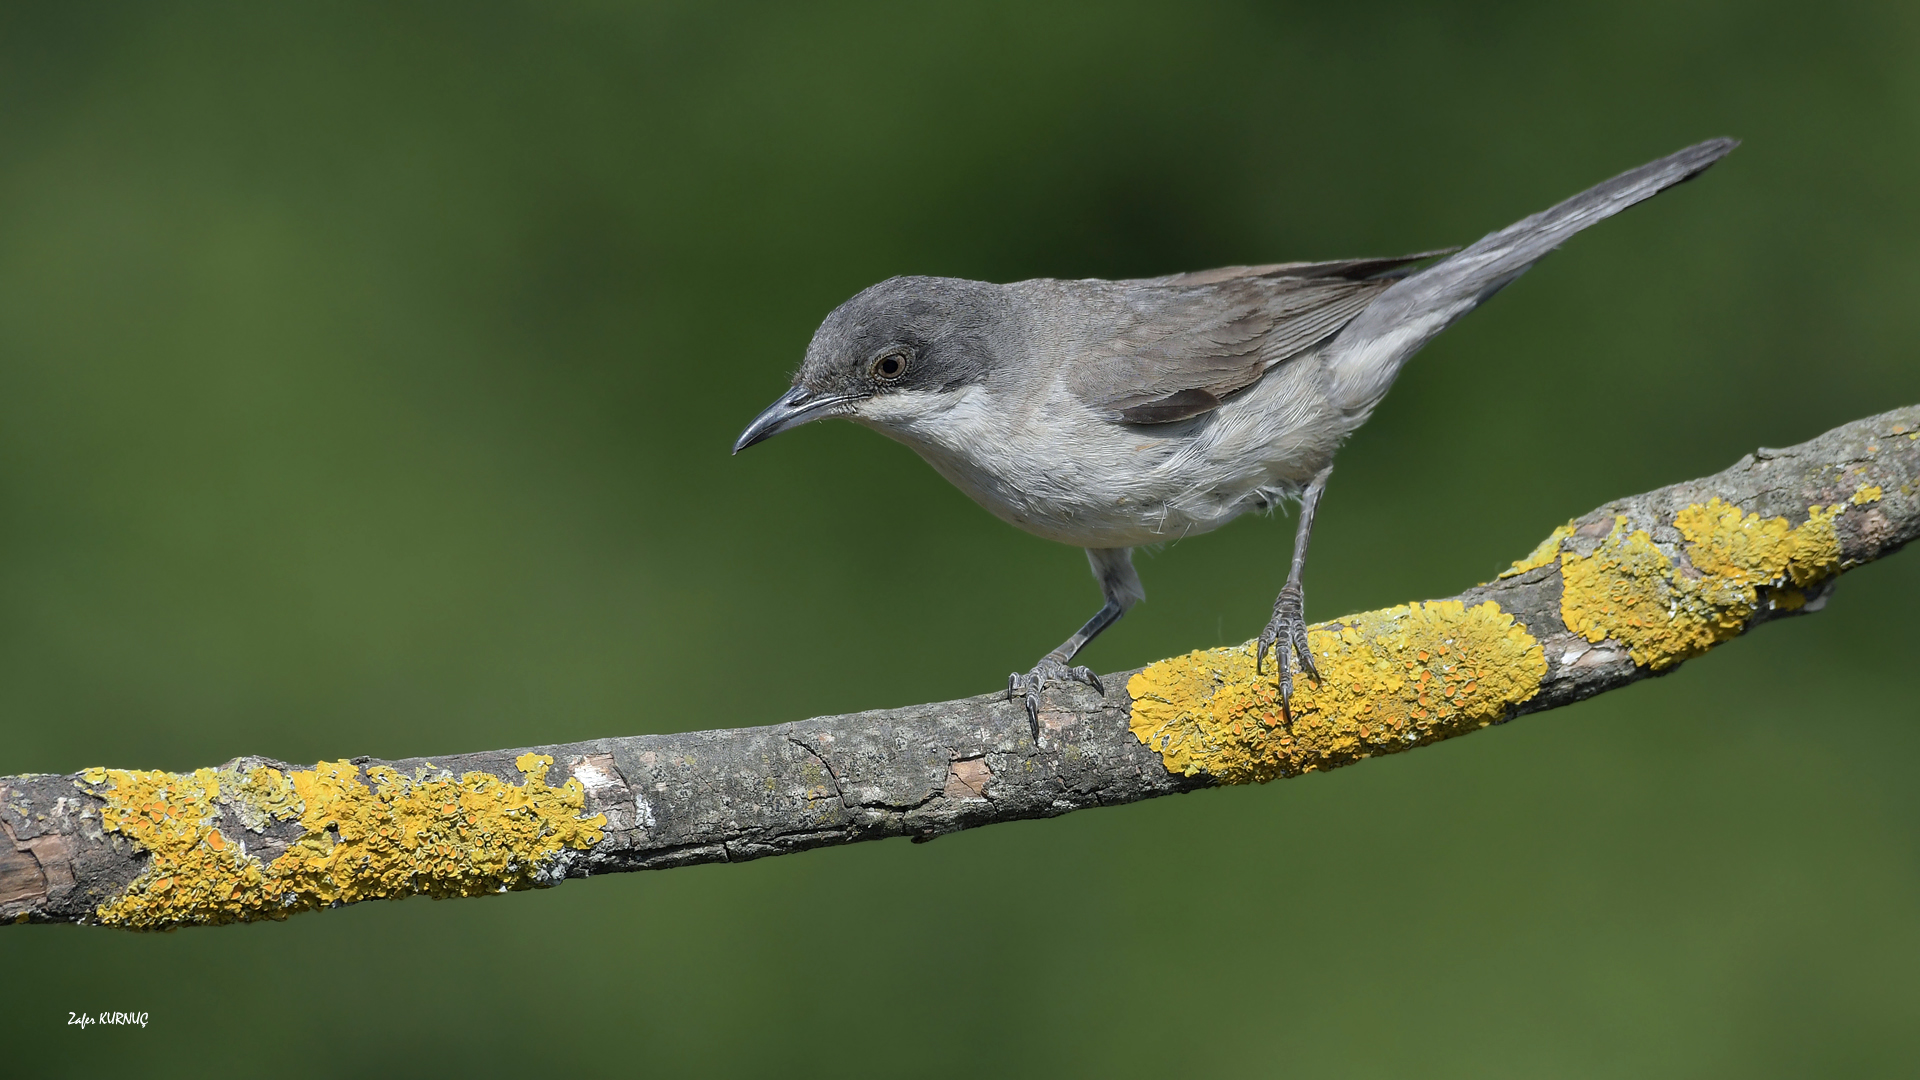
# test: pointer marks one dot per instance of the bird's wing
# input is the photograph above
(1180, 345)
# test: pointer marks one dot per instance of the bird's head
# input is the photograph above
(898, 354)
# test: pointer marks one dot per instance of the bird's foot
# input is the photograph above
(1288, 631)
(1048, 670)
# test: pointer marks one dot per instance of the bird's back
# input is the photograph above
(1160, 350)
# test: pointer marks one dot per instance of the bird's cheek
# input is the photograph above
(897, 411)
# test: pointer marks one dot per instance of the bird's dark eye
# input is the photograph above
(891, 367)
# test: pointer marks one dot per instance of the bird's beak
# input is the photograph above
(795, 407)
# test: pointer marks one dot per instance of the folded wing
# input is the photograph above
(1185, 343)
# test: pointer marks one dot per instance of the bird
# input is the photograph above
(1112, 415)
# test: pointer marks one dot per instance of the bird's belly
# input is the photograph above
(1137, 519)
(1062, 472)
(1122, 486)
(1129, 509)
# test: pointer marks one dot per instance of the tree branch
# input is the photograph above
(1629, 590)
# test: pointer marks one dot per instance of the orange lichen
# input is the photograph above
(1390, 680)
(436, 835)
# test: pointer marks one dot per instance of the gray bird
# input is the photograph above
(1112, 414)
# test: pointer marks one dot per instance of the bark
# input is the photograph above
(261, 839)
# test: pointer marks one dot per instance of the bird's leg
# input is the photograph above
(1121, 588)
(1053, 666)
(1288, 627)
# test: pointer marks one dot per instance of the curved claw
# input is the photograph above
(1302, 651)
(1029, 684)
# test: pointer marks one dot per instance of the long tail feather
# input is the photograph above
(1368, 353)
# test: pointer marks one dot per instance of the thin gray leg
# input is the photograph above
(1120, 586)
(1288, 627)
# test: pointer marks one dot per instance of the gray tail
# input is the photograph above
(1368, 352)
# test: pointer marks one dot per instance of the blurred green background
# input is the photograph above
(367, 376)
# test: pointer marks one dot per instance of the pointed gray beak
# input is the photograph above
(795, 407)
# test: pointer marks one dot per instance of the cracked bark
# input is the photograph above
(925, 770)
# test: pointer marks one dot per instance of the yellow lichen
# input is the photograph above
(1390, 680)
(259, 796)
(1630, 591)
(1548, 550)
(1750, 550)
(427, 834)
(1868, 493)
